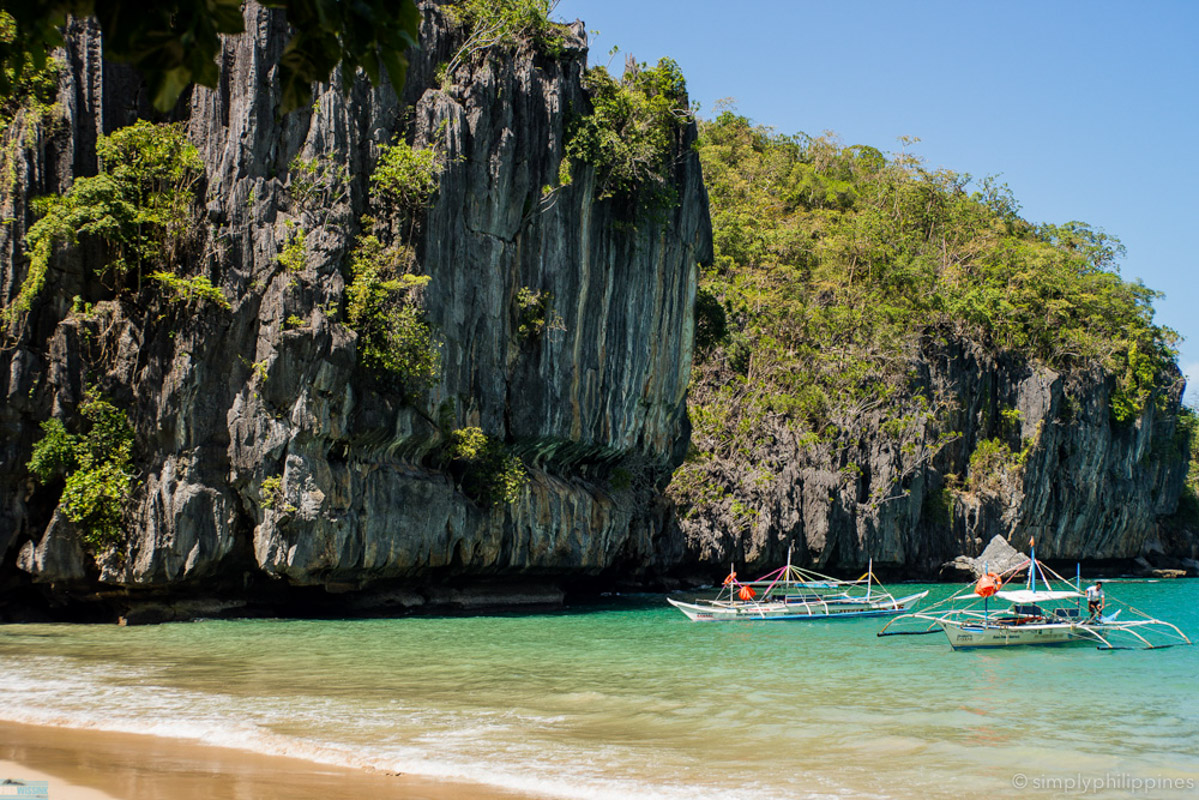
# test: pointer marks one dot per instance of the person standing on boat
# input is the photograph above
(1095, 600)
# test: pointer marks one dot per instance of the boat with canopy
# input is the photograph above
(1036, 607)
(791, 593)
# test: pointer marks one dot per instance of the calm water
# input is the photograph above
(630, 699)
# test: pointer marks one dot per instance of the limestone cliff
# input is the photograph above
(271, 390)
(1084, 486)
(273, 470)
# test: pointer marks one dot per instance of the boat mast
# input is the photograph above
(869, 576)
(1078, 586)
(1032, 566)
(787, 578)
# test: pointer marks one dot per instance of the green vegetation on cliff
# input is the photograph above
(631, 131)
(141, 208)
(383, 296)
(25, 86)
(96, 467)
(484, 467)
(28, 97)
(494, 25)
(834, 263)
(382, 308)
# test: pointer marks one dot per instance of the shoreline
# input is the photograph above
(89, 764)
(469, 601)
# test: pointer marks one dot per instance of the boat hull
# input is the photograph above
(963, 636)
(782, 612)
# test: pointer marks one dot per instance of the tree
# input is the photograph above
(838, 270)
(174, 43)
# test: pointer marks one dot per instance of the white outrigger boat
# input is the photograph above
(791, 593)
(1037, 613)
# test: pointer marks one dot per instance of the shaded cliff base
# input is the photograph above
(45, 603)
(30, 602)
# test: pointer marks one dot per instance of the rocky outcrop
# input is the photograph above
(272, 388)
(997, 557)
(1064, 472)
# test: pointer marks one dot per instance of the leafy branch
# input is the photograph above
(175, 43)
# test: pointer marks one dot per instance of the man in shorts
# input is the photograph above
(1095, 600)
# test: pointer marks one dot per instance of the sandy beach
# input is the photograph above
(96, 765)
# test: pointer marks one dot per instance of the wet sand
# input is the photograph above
(95, 765)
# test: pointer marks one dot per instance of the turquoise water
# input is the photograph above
(630, 699)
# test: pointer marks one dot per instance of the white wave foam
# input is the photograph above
(107, 698)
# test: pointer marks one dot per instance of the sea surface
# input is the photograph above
(628, 699)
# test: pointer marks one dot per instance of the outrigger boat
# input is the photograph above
(1036, 613)
(791, 593)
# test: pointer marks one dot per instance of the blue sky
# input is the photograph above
(1087, 110)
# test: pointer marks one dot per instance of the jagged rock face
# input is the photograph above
(222, 400)
(1088, 488)
(997, 558)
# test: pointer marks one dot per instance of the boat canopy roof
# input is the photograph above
(1031, 596)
